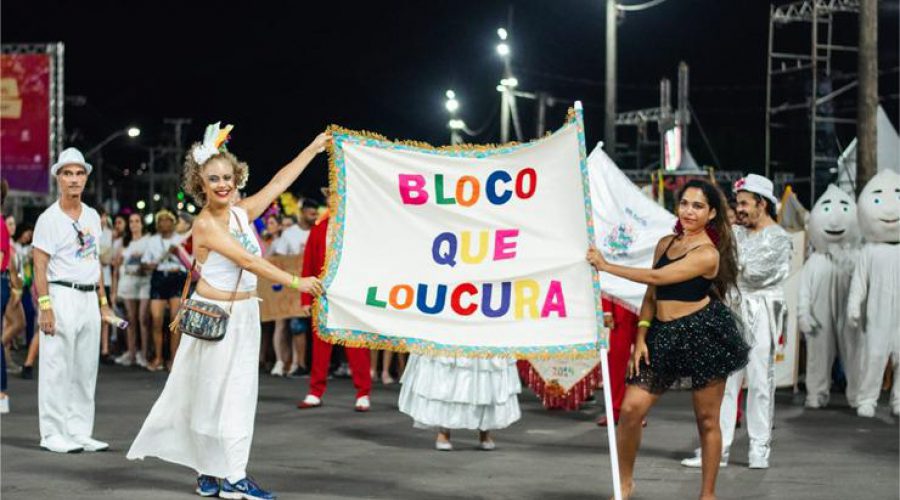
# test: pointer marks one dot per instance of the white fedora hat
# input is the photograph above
(70, 156)
(759, 185)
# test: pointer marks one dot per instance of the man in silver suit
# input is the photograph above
(764, 255)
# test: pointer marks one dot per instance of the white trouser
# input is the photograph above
(821, 349)
(760, 376)
(68, 365)
(879, 347)
(851, 348)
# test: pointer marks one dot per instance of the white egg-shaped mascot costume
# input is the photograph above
(824, 286)
(874, 303)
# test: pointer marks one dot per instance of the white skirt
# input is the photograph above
(204, 417)
(460, 393)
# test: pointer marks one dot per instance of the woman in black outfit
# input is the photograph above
(685, 330)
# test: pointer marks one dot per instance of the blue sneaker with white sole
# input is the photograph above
(207, 486)
(245, 489)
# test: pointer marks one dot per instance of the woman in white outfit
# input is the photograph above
(132, 285)
(204, 417)
(447, 393)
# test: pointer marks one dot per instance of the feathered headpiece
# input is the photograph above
(214, 141)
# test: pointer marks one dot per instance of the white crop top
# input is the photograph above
(221, 272)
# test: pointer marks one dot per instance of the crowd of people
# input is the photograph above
(713, 313)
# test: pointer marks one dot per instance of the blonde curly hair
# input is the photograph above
(192, 179)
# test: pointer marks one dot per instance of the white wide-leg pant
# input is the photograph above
(67, 375)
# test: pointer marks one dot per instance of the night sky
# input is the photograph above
(282, 71)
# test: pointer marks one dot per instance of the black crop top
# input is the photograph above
(692, 290)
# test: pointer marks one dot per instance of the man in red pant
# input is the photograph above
(313, 263)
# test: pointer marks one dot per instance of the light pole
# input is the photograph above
(610, 118)
(131, 132)
(504, 51)
(455, 124)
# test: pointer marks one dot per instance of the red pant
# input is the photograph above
(621, 340)
(321, 359)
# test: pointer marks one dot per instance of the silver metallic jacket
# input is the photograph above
(764, 264)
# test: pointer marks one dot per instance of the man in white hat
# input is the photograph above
(764, 253)
(71, 300)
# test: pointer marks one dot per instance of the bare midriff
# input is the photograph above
(206, 290)
(668, 310)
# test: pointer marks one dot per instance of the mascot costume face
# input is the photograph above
(833, 220)
(879, 208)
(874, 303)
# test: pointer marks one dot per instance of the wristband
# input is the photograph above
(644, 323)
(44, 299)
(295, 282)
(103, 301)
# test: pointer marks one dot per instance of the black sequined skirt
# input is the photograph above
(706, 346)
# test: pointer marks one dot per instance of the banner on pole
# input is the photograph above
(465, 251)
(25, 112)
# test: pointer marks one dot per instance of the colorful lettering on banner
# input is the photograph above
(465, 251)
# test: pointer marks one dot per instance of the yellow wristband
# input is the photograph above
(103, 301)
(295, 282)
(644, 323)
(44, 299)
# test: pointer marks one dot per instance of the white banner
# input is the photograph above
(627, 224)
(463, 251)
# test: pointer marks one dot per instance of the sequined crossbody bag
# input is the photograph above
(200, 319)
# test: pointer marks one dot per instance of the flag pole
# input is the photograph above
(610, 424)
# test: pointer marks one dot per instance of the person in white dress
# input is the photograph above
(204, 417)
(446, 393)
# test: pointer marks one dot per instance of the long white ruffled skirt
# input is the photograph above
(204, 417)
(460, 393)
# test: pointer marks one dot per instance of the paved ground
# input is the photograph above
(332, 452)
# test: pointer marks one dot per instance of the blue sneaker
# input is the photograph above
(245, 489)
(207, 486)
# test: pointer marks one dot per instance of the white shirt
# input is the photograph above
(131, 257)
(70, 259)
(157, 251)
(291, 242)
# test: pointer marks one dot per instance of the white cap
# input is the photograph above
(70, 156)
(757, 184)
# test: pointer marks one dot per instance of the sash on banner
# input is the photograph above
(463, 251)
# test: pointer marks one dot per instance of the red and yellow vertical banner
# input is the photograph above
(25, 121)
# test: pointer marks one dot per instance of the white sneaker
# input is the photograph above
(362, 404)
(488, 445)
(124, 360)
(90, 444)
(696, 461)
(443, 446)
(140, 360)
(4, 405)
(759, 457)
(278, 369)
(867, 411)
(61, 444)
